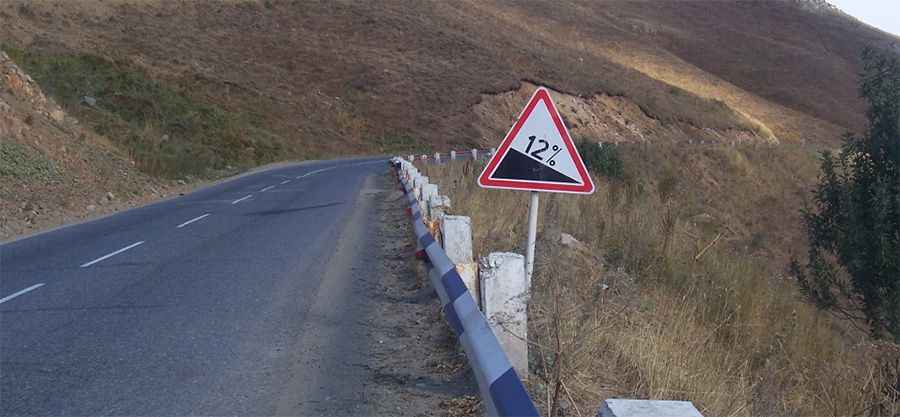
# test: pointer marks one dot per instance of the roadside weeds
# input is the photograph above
(420, 370)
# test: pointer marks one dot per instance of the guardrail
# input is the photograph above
(501, 388)
(439, 158)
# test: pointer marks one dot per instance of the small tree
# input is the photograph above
(854, 228)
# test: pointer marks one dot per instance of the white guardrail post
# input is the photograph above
(457, 234)
(501, 389)
(504, 297)
(647, 408)
(429, 191)
(438, 206)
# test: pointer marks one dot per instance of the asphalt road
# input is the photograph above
(243, 298)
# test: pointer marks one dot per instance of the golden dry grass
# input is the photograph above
(638, 314)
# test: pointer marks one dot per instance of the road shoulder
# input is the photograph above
(418, 369)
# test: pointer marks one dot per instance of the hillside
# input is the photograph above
(53, 170)
(199, 89)
(328, 78)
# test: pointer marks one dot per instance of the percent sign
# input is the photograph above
(555, 152)
(537, 152)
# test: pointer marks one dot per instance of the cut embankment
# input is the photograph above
(165, 130)
(53, 170)
(615, 119)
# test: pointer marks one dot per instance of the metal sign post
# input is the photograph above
(533, 210)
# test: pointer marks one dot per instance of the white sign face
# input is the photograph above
(538, 154)
(539, 140)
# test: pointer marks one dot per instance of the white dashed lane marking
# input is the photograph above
(315, 172)
(198, 218)
(195, 219)
(242, 199)
(18, 293)
(110, 255)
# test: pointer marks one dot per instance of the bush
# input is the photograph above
(394, 143)
(854, 230)
(602, 160)
(23, 162)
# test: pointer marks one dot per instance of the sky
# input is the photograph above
(883, 14)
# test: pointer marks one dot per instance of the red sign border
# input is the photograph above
(485, 180)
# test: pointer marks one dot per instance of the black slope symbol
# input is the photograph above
(518, 166)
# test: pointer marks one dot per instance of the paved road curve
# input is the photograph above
(236, 299)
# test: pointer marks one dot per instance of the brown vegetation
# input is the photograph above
(679, 291)
(337, 77)
(272, 80)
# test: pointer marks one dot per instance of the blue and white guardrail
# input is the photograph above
(501, 389)
(439, 158)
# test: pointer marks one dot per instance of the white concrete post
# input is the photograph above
(504, 299)
(457, 232)
(428, 191)
(420, 192)
(423, 181)
(418, 182)
(452, 155)
(437, 207)
(457, 241)
(647, 408)
(474, 154)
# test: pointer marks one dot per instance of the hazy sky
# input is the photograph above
(883, 14)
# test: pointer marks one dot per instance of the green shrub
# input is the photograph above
(601, 160)
(854, 227)
(23, 162)
(397, 143)
(164, 130)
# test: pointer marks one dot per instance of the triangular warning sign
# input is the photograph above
(538, 154)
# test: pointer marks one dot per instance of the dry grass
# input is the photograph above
(751, 193)
(638, 314)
